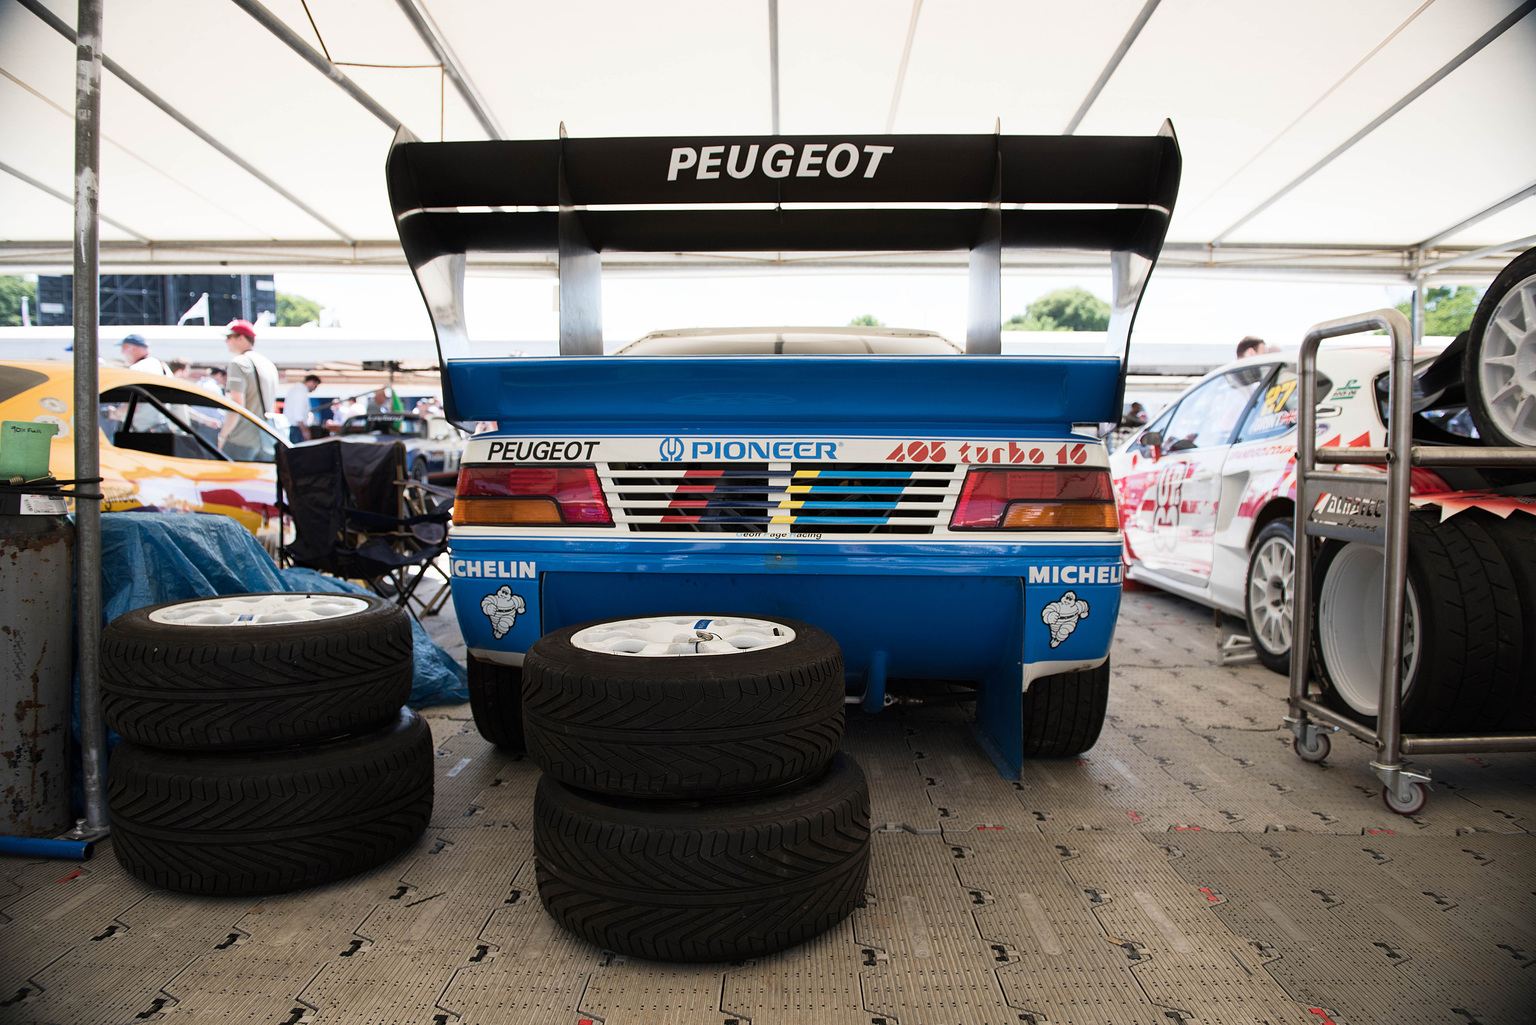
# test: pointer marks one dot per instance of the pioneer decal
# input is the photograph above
(764, 450)
(780, 160)
(989, 452)
(526, 450)
(1061, 616)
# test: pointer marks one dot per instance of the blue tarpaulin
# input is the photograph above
(147, 558)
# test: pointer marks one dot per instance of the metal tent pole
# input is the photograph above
(87, 453)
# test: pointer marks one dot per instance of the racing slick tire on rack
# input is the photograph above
(257, 822)
(1268, 593)
(704, 880)
(1463, 638)
(255, 670)
(1063, 714)
(683, 706)
(1501, 348)
(1515, 536)
(496, 701)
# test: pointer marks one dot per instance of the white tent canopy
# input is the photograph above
(1370, 138)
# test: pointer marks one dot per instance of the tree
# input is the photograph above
(11, 292)
(1066, 309)
(1446, 312)
(867, 320)
(295, 310)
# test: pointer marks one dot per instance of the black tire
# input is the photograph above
(1516, 539)
(1063, 714)
(198, 688)
(496, 700)
(696, 726)
(419, 469)
(270, 821)
(1468, 637)
(1272, 587)
(712, 881)
(1495, 427)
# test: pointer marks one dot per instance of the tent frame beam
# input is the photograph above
(279, 28)
(1111, 67)
(1508, 201)
(56, 194)
(438, 44)
(1505, 23)
(53, 21)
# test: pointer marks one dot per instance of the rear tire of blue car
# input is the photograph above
(683, 726)
(496, 701)
(1063, 714)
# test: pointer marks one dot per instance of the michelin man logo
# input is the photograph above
(502, 608)
(1061, 616)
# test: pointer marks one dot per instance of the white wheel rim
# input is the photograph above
(1270, 594)
(1349, 623)
(682, 636)
(259, 610)
(1506, 368)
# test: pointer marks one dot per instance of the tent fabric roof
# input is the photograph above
(1259, 94)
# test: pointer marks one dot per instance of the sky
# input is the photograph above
(519, 309)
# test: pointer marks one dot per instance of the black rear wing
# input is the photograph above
(577, 198)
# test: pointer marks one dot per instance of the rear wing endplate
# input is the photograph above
(981, 194)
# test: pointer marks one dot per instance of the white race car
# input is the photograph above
(1207, 491)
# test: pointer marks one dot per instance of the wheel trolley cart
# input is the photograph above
(1403, 790)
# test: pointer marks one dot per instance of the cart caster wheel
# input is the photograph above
(1316, 751)
(1418, 797)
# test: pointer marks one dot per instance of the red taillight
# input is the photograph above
(1036, 500)
(540, 496)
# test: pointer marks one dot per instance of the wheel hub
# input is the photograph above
(682, 636)
(259, 609)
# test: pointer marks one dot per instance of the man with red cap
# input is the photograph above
(253, 385)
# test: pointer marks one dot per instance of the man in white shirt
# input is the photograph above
(136, 355)
(298, 408)
(253, 386)
(146, 419)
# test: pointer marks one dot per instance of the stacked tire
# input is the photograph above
(1468, 661)
(694, 804)
(265, 747)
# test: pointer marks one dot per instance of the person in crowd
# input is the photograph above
(214, 381)
(253, 385)
(1135, 416)
(1251, 346)
(297, 407)
(136, 355)
(379, 401)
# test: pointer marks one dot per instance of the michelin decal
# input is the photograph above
(1060, 615)
(502, 609)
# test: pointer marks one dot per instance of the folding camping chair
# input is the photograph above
(357, 514)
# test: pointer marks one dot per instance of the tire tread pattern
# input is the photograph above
(212, 688)
(707, 882)
(683, 727)
(1064, 713)
(254, 823)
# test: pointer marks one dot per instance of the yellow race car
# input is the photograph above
(161, 447)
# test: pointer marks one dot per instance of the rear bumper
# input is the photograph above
(934, 611)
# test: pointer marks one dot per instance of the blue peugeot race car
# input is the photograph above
(944, 512)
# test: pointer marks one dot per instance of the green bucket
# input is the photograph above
(24, 449)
